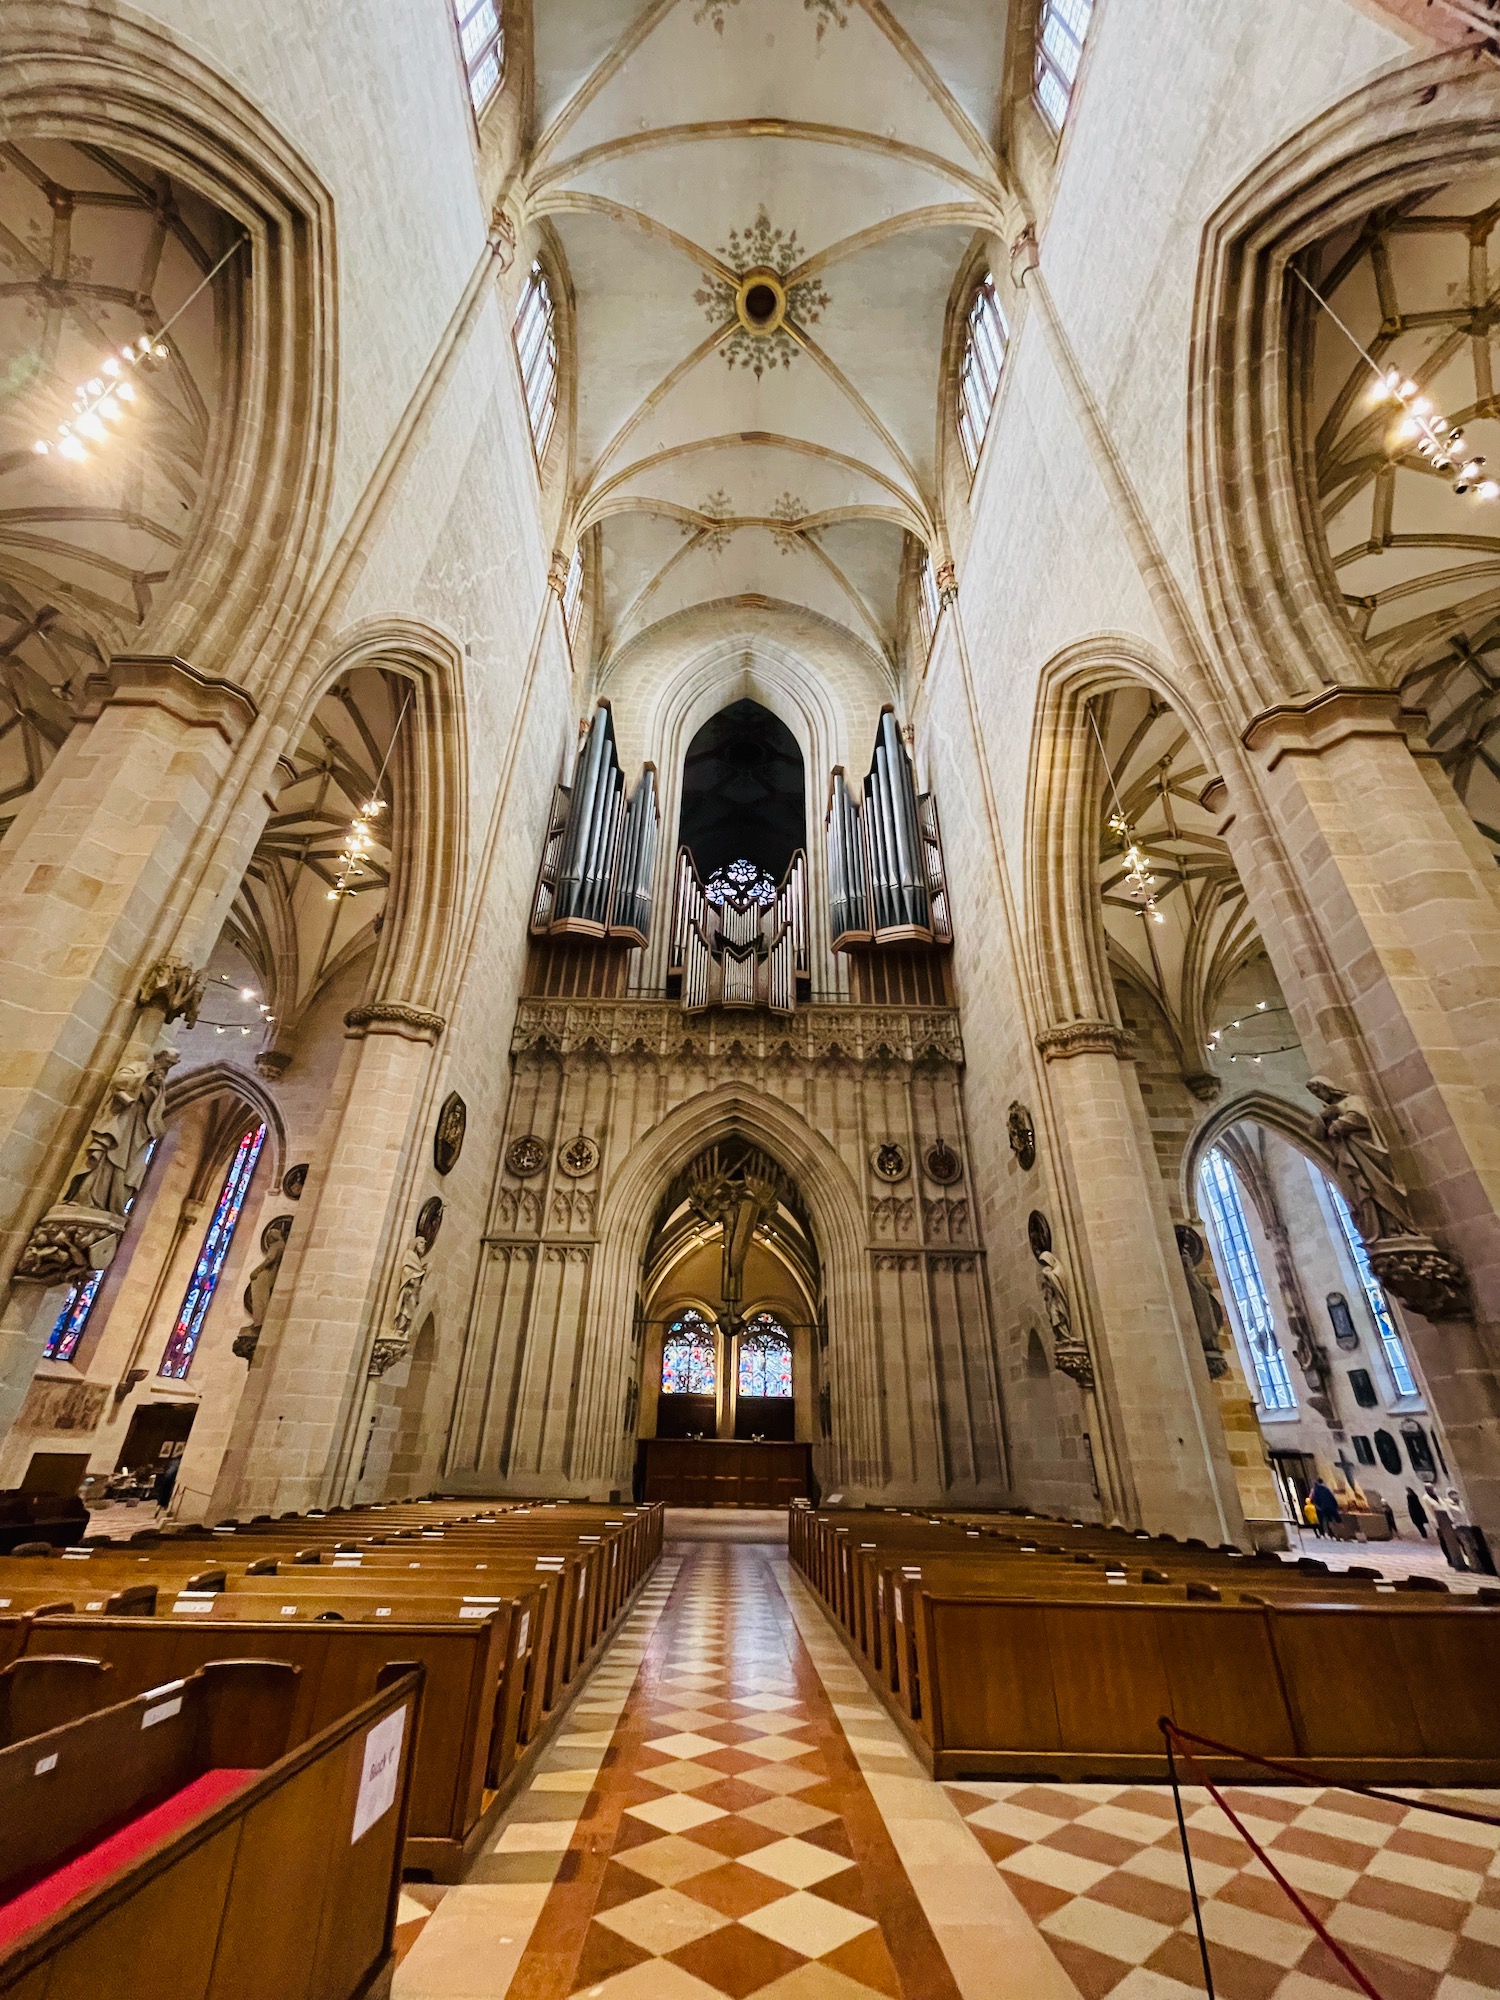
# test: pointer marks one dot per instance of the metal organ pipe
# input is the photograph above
(885, 860)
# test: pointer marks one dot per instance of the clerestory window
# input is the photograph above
(482, 39)
(930, 603)
(572, 597)
(1059, 51)
(984, 361)
(536, 350)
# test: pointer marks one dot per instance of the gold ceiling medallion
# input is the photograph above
(760, 302)
(762, 305)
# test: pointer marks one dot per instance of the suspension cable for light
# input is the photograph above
(1423, 425)
(107, 393)
(1216, 1035)
(360, 839)
(1137, 868)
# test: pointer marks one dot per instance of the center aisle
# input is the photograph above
(729, 1842)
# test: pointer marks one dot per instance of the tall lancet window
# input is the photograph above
(188, 1330)
(983, 363)
(536, 350)
(1393, 1346)
(1059, 51)
(482, 39)
(1247, 1290)
(689, 1364)
(765, 1357)
(68, 1330)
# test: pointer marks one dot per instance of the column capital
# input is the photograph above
(161, 680)
(415, 1024)
(1317, 723)
(1085, 1038)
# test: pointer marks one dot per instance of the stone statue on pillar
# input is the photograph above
(1207, 1312)
(393, 1347)
(81, 1232)
(261, 1283)
(1402, 1256)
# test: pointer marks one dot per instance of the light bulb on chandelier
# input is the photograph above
(105, 398)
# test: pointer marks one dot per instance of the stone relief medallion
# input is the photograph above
(889, 1162)
(579, 1157)
(448, 1140)
(525, 1157)
(1038, 1233)
(429, 1221)
(1022, 1135)
(942, 1164)
(294, 1180)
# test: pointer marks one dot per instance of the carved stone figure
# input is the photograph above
(409, 1291)
(1405, 1259)
(1380, 1203)
(81, 1233)
(118, 1148)
(175, 987)
(1207, 1311)
(1070, 1354)
(261, 1283)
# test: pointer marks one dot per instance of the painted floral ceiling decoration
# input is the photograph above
(739, 456)
(762, 248)
(827, 13)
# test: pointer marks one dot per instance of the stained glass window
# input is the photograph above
(689, 1365)
(984, 359)
(1247, 1289)
(1390, 1340)
(536, 350)
(1059, 51)
(183, 1343)
(483, 42)
(62, 1342)
(765, 1357)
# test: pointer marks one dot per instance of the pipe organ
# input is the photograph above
(886, 881)
(595, 877)
(739, 940)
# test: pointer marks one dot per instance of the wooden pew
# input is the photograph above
(166, 1846)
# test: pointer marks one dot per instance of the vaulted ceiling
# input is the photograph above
(1417, 285)
(774, 443)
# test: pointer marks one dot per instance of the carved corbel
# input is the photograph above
(174, 986)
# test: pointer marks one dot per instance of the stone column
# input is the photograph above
(1153, 1387)
(298, 1435)
(85, 871)
(1386, 939)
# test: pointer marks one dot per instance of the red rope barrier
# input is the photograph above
(1304, 1776)
(1170, 1730)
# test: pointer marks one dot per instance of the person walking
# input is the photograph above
(1326, 1506)
(1390, 1519)
(1417, 1512)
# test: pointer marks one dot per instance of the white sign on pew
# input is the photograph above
(377, 1781)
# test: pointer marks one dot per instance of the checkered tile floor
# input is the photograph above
(1414, 1898)
(729, 1861)
(727, 1811)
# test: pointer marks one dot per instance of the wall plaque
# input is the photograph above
(52, 1405)
(525, 1157)
(889, 1162)
(579, 1157)
(448, 1140)
(1022, 1135)
(942, 1164)
(429, 1221)
(294, 1180)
